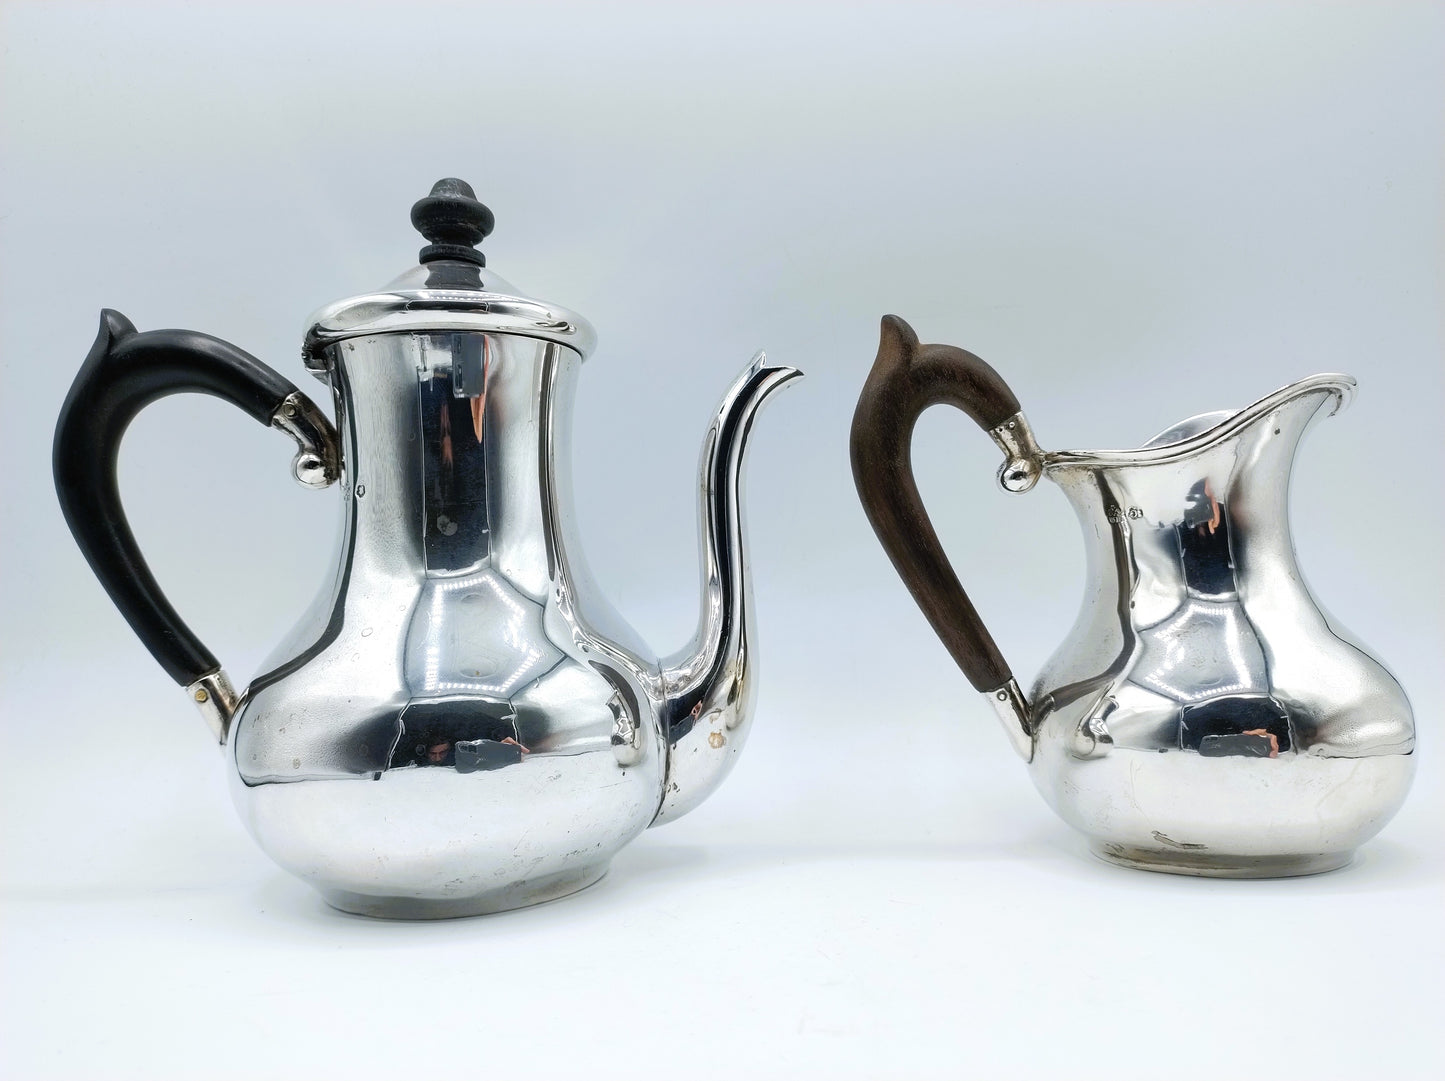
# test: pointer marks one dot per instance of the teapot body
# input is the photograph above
(461, 722)
(1205, 714)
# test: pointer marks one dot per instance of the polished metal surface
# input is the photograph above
(216, 699)
(445, 296)
(318, 457)
(1205, 715)
(1023, 463)
(1012, 710)
(709, 686)
(461, 723)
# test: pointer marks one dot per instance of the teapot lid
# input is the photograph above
(451, 289)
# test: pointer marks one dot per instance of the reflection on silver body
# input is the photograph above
(318, 459)
(1205, 715)
(461, 723)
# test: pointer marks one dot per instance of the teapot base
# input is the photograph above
(1219, 865)
(502, 899)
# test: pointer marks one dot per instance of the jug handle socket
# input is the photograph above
(124, 372)
(907, 378)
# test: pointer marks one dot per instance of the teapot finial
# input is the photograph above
(454, 221)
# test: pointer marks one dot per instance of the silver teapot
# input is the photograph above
(1204, 716)
(460, 723)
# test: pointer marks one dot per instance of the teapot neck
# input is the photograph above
(456, 452)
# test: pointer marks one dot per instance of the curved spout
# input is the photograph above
(708, 686)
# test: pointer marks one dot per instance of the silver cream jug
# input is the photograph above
(1204, 716)
(460, 723)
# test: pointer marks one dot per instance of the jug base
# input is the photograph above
(1219, 865)
(501, 899)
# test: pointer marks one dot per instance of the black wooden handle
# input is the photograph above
(124, 373)
(906, 379)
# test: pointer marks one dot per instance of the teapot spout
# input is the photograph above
(709, 686)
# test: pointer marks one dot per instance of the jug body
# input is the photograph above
(1204, 715)
(459, 695)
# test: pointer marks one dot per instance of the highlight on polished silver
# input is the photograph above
(1205, 715)
(216, 699)
(461, 723)
(318, 457)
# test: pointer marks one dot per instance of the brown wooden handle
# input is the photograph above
(906, 379)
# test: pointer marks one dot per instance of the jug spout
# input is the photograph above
(708, 686)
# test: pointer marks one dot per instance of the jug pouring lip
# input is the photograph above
(1221, 425)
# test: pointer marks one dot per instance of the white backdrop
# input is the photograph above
(1136, 212)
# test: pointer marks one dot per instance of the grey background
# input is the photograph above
(1135, 212)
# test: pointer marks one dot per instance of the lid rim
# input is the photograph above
(382, 314)
(423, 310)
(450, 289)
